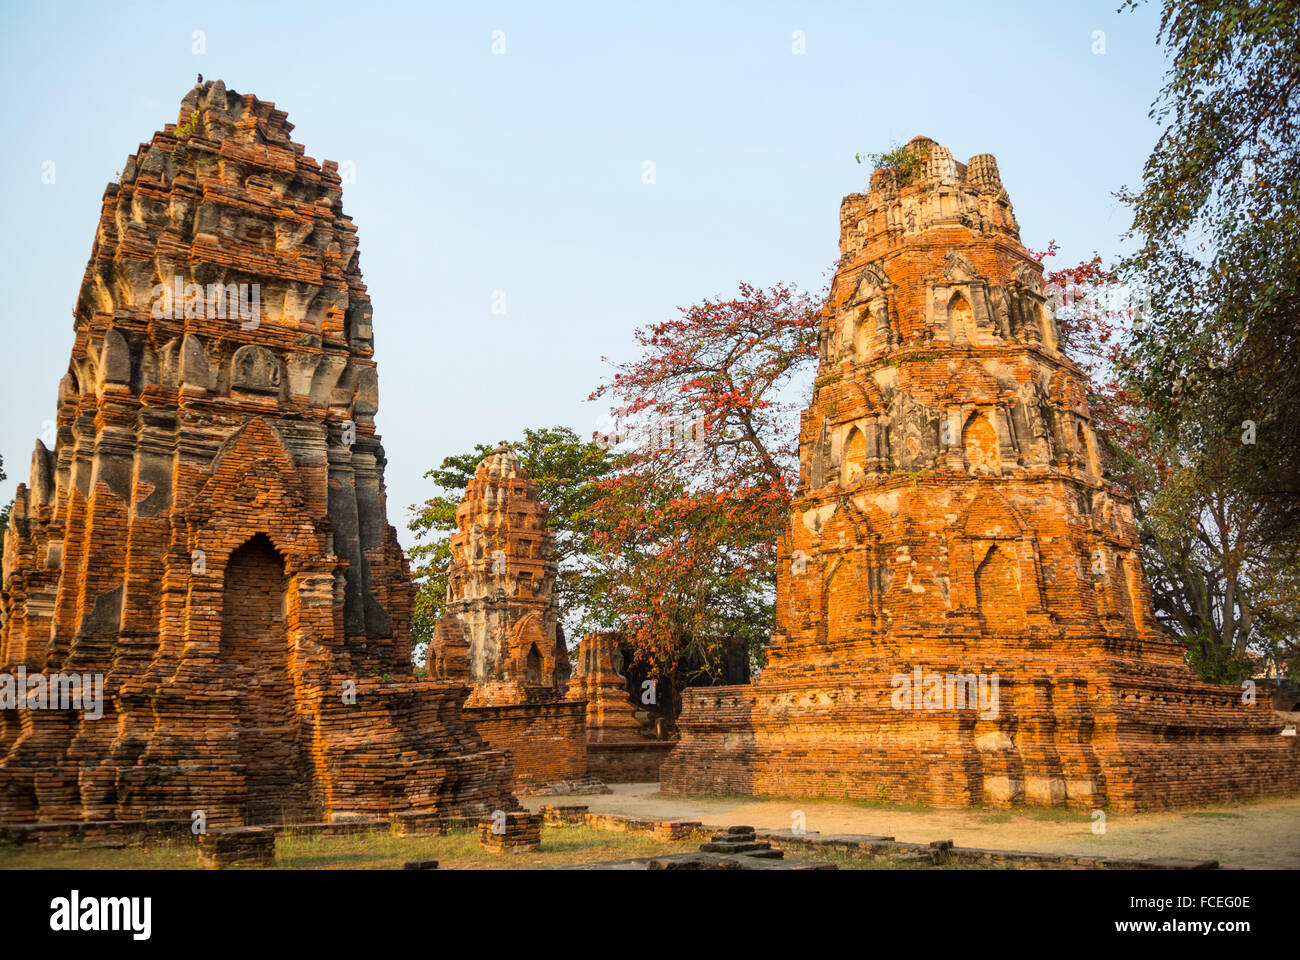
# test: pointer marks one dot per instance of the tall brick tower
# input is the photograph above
(209, 534)
(953, 530)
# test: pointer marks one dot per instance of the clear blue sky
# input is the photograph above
(522, 173)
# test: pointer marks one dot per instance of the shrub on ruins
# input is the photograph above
(566, 469)
(903, 160)
(686, 527)
(1217, 225)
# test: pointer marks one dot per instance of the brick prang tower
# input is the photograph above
(502, 571)
(500, 631)
(209, 533)
(954, 527)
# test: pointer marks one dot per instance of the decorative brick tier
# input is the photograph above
(953, 519)
(546, 739)
(209, 534)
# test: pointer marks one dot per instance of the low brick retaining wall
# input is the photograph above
(548, 740)
(943, 851)
(96, 833)
(862, 845)
(578, 815)
(126, 833)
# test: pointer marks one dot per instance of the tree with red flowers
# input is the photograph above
(686, 529)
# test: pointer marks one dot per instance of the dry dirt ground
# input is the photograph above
(1260, 833)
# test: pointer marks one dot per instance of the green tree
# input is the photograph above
(1212, 367)
(1222, 582)
(1217, 224)
(566, 469)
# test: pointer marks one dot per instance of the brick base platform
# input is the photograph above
(1081, 740)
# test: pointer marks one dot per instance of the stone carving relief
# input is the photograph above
(255, 369)
(914, 435)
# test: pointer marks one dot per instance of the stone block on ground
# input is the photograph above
(513, 833)
(237, 847)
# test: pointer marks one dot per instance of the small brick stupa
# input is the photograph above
(209, 533)
(952, 529)
(619, 749)
(600, 682)
(500, 631)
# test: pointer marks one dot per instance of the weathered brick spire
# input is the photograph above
(500, 631)
(209, 533)
(953, 529)
(500, 586)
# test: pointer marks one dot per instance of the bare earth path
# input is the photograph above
(1263, 833)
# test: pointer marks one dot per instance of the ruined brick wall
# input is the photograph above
(220, 398)
(952, 516)
(546, 739)
(618, 748)
(633, 762)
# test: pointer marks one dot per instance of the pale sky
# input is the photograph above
(523, 172)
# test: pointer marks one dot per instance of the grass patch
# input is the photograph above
(1050, 814)
(160, 856)
(458, 850)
